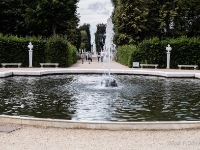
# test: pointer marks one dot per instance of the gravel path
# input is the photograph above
(37, 138)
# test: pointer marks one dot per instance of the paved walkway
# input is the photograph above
(38, 138)
(93, 65)
(32, 138)
(98, 65)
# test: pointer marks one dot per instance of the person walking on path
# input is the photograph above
(98, 56)
(89, 57)
(102, 55)
(86, 55)
(82, 57)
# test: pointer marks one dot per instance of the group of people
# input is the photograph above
(88, 56)
(100, 55)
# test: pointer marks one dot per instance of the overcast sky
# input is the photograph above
(94, 12)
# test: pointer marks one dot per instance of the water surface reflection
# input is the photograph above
(81, 97)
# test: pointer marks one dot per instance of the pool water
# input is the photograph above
(81, 97)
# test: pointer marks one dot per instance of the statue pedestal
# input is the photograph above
(168, 60)
(30, 58)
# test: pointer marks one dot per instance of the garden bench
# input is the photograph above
(49, 64)
(146, 65)
(193, 66)
(11, 64)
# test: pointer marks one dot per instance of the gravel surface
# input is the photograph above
(39, 138)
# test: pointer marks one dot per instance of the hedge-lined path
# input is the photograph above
(98, 65)
(93, 65)
(115, 65)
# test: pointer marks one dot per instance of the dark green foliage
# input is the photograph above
(153, 52)
(87, 40)
(124, 54)
(130, 20)
(58, 51)
(137, 20)
(54, 50)
(99, 37)
(39, 18)
(11, 14)
(76, 42)
(50, 17)
(39, 55)
(114, 3)
(185, 51)
(73, 57)
(13, 50)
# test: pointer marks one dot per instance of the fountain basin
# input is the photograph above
(81, 97)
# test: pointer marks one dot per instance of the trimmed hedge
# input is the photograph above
(58, 51)
(153, 52)
(14, 50)
(124, 53)
(185, 51)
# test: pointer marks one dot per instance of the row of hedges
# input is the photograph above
(185, 51)
(55, 50)
(123, 53)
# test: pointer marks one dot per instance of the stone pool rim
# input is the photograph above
(100, 125)
(153, 72)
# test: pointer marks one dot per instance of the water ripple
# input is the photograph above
(81, 97)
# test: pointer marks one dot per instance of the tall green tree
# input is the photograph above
(136, 20)
(84, 40)
(40, 17)
(57, 16)
(11, 17)
(130, 19)
(160, 18)
(87, 41)
(114, 3)
(100, 36)
(188, 19)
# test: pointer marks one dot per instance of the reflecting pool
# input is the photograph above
(81, 97)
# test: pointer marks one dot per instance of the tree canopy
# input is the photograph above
(100, 36)
(12, 20)
(85, 37)
(137, 20)
(40, 17)
(52, 16)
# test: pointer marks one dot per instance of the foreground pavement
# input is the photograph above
(40, 138)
